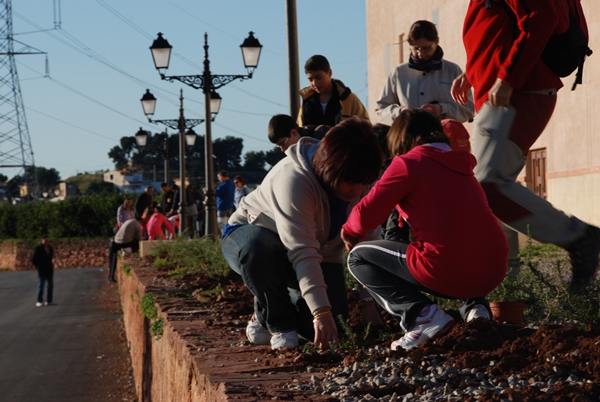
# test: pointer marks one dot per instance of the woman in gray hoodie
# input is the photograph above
(284, 239)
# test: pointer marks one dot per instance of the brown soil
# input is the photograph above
(551, 352)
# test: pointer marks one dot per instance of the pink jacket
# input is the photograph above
(155, 226)
(458, 247)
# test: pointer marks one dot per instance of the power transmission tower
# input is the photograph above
(15, 143)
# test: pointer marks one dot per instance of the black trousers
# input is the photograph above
(113, 249)
(381, 267)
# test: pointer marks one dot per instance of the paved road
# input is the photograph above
(50, 353)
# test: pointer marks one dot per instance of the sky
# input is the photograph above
(86, 96)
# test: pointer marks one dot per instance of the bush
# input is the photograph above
(190, 256)
(84, 216)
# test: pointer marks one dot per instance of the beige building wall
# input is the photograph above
(572, 138)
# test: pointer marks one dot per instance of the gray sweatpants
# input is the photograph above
(500, 142)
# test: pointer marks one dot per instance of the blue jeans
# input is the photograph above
(259, 256)
(381, 267)
(42, 280)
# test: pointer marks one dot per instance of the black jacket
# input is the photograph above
(312, 113)
(143, 201)
(42, 260)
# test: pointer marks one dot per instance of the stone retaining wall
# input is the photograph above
(16, 256)
(202, 355)
(163, 369)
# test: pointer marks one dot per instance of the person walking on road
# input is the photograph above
(41, 259)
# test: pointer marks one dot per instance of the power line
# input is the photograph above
(80, 47)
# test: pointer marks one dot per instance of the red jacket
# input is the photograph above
(497, 50)
(458, 247)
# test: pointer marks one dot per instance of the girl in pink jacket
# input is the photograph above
(458, 249)
(157, 222)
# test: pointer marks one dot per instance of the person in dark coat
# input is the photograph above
(167, 198)
(143, 201)
(41, 259)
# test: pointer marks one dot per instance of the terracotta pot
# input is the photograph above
(511, 312)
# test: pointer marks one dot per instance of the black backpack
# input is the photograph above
(566, 52)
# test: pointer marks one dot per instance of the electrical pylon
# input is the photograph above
(15, 143)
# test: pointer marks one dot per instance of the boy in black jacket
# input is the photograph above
(42, 261)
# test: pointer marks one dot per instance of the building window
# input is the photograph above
(535, 173)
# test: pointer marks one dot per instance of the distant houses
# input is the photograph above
(129, 182)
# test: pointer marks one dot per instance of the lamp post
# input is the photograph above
(208, 83)
(185, 137)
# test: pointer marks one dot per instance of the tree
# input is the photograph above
(152, 156)
(3, 178)
(47, 178)
(273, 156)
(254, 160)
(228, 152)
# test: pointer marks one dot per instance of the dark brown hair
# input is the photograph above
(317, 63)
(422, 29)
(280, 127)
(238, 178)
(414, 127)
(349, 152)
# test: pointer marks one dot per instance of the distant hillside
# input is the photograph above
(90, 182)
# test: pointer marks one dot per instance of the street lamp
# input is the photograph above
(185, 138)
(141, 137)
(208, 83)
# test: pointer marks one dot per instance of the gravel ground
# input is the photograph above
(477, 361)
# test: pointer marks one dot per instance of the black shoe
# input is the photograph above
(112, 281)
(584, 258)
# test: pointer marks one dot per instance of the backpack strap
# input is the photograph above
(575, 18)
(579, 76)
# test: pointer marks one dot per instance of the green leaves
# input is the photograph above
(85, 216)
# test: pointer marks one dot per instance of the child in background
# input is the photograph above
(158, 224)
(327, 100)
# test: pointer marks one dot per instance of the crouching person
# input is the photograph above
(458, 249)
(128, 236)
(284, 239)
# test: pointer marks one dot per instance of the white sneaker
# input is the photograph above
(285, 340)
(434, 323)
(478, 311)
(256, 333)
(38, 304)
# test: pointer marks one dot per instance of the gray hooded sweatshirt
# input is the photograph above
(291, 202)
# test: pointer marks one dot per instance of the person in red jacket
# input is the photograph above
(515, 94)
(458, 248)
